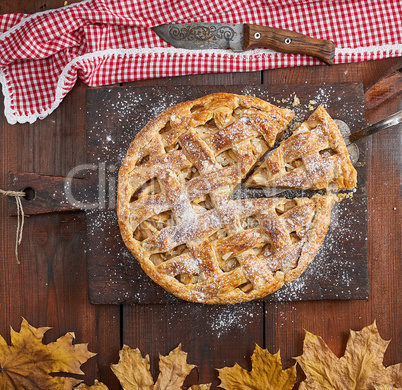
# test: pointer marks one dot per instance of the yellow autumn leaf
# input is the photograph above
(27, 363)
(134, 374)
(387, 387)
(173, 370)
(391, 375)
(266, 373)
(360, 368)
(133, 370)
(96, 386)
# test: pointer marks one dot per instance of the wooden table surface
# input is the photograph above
(50, 287)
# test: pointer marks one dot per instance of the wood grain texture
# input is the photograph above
(49, 194)
(385, 216)
(32, 6)
(49, 288)
(286, 41)
(214, 336)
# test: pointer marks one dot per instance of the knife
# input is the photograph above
(240, 37)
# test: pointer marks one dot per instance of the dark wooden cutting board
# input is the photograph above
(114, 117)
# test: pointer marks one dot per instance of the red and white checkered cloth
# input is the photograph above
(110, 41)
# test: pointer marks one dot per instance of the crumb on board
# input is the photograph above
(340, 197)
(311, 105)
(296, 101)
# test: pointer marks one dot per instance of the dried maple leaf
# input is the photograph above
(173, 370)
(133, 370)
(134, 374)
(266, 373)
(27, 362)
(96, 386)
(360, 368)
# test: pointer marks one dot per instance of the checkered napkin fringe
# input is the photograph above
(110, 41)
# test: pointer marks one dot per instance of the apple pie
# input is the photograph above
(314, 157)
(176, 216)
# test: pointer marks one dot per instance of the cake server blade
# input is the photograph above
(383, 124)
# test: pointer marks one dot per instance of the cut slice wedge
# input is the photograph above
(314, 157)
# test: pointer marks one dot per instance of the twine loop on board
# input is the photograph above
(20, 213)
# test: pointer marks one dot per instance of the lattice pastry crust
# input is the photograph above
(314, 157)
(176, 217)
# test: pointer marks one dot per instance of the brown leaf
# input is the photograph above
(133, 370)
(134, 374)
(360, 368)
(27, 362)
(96, 386)
(266, 373)
(173, 370)
(390, 378)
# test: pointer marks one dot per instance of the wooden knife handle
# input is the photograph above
(287, 41)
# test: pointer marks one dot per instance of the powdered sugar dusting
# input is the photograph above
(120, 116)
(335, 265)
(220, 321)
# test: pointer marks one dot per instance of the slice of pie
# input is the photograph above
(176, 217)
(314, 157)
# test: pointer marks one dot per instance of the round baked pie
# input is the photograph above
(176, 216)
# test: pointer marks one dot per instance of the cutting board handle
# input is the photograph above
(49, 194)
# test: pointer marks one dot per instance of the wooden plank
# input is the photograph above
(244, 78)
(49, 287)
(116, 114)
(385, 216)
(213, 336)
(286, 321)
(32, 6)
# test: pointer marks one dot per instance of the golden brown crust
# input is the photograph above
(314, 157)
(174, 211)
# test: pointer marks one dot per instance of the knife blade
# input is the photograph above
(240, 37)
